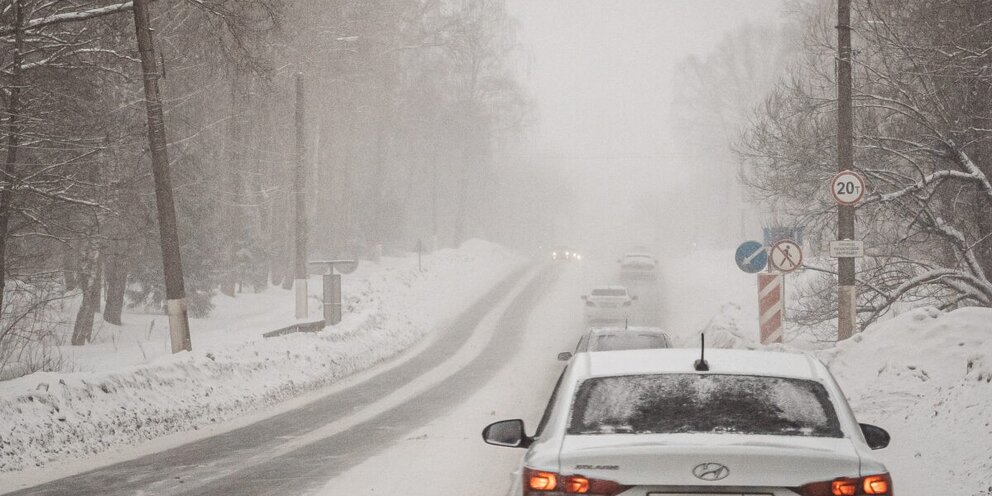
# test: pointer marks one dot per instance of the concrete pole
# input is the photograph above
(846, 290)
(299, 192)
(175, 292)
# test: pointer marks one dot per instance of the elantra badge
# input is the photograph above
(711, 471)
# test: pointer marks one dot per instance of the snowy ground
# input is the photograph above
(126, 388)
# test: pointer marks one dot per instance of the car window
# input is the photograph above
(609, 292)
(696, 403)
(627, 340)
(551, 403)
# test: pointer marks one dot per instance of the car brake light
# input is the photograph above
(874, 485)
(542, 481)
(877, 484)
(590, 303)
(539, 482)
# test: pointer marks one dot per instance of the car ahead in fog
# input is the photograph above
(618, 339)
(564, 253)
(608, 304)
(647, 422)
(637, 265)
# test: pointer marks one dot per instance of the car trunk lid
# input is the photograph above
(708, 459)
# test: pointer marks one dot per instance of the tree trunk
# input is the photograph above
(82, 330)
(116, 274)
(13, 141)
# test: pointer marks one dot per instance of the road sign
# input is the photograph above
(773, 235)
(847, 248)
(751, 257)
(339, 266)
(770, 307)
(847, 187)
(785, 256)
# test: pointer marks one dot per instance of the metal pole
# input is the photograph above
(846, 290)
(175, 292)
(299, 192)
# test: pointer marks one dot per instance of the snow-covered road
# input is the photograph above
(299, 450)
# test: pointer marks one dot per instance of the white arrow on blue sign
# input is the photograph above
(751, 257)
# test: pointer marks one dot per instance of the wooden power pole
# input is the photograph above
(299, 193)
(846, 289)
(175, 293)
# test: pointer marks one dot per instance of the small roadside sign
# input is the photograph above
(847, 187)
(785, 256)
(751, 257)
(847, 248)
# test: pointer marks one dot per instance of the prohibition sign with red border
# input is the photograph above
(785, 256)
(847, 187)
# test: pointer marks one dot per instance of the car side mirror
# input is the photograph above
(564, 356)
(584, 297)
(876, 437)
(509, 433)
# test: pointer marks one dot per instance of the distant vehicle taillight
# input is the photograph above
(541, 483)
(627, 303)
(874, 485)
(589, 303)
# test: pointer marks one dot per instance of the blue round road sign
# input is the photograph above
(751, 257)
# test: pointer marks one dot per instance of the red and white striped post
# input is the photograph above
(770, 307)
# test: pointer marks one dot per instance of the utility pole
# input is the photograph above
(846, 290)
(299, 193)
(175, 293)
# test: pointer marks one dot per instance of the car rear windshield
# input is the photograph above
(609, 292)
(697, 403)
(627, 340)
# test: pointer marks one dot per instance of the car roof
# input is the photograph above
(611, 287)
(681, 360)
(638, 254)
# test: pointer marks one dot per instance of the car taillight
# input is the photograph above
(874, 485)
(590, 303)
(627, 303)
(541, 483)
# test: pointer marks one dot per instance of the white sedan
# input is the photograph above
(655, 423)
(608, 304)
(638, 266)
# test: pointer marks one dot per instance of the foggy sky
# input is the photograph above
(601, 75)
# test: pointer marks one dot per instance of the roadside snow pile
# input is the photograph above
(926, 377)
(46, 417)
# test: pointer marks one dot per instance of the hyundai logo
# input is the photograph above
(711, 471)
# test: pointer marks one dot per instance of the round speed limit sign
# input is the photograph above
(847, 187)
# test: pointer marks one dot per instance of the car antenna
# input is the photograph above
(701, 365)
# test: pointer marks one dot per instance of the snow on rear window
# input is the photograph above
(609, 292)
(695, 403)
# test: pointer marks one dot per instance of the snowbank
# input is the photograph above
(129, 389)
(926, 377)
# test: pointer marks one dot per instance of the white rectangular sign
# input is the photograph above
(847, 248)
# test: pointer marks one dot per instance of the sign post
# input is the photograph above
(332, 287)
(848, 188)
(783, 257)
(770, 307)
